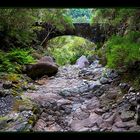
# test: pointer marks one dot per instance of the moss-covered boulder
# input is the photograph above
(45, 66)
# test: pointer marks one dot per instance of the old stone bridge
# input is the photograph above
(92, 33)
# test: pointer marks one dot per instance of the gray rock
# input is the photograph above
(4, 92)
(93, 103)
(63, 102)
(95, 128)
(88, 95)
(84, 129)
(111, 119)
(21, 126)
(65, 93)
(43, 67)
(131, 89)
(6, 104)
(126, 125)
(99, 121)
(76, 125)
(7, 85)
(81, 115)
(40, 125)
(127, 115)
(116, 129)
(53, 128)
(83, 89)
(104, 80)
(99, 111)
(111, 74)
(135, 129)
(82, 62)
(3, 123)
(94, 86)
(107, 115)
(124, 87)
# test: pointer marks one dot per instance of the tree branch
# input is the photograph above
(49, 32)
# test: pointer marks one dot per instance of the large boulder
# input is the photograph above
(45, 66)
(46, 59)
(82, 62)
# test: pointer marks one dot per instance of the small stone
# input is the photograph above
(84, 129)
(83, 107)
(107, 115)
(124, 87)
(68, 111)
(126, 125)
(65, 93)
(99, 121)
(131, 89)
(40, 125)
(132, 93)
(51, 118)
(111, 74)
(76, 125)
(2, 93)
(116, 129)
(44, 115)
(3, 123)
(93, 104)
(57, 113)
(82, 62)
(53, 128)
(82, 115)
(94, 86)
(111, 119)
(7, 85)
(104, 80)
(63, 102)
(135, 129)
(99, 111)
(127, 115)
(95, 128)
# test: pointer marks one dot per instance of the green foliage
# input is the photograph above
(123, 52)
(80, 15)
(17, 23)
(111, 16)
(21, 56)
(67, 49)
(14, 59)
(57, 17)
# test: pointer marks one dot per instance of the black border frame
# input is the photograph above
(69, 4)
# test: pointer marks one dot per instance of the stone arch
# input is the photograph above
(81, 29)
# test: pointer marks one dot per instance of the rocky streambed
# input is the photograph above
(76, 99)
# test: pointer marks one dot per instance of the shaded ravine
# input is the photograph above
(88, 99)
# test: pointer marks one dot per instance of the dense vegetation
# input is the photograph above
(80, 15)
(121, 48)
(67, 49)
(17, 30)
(122, 45)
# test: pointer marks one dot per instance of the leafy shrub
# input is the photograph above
(123, 51)
(13, 60)
(21, 56)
